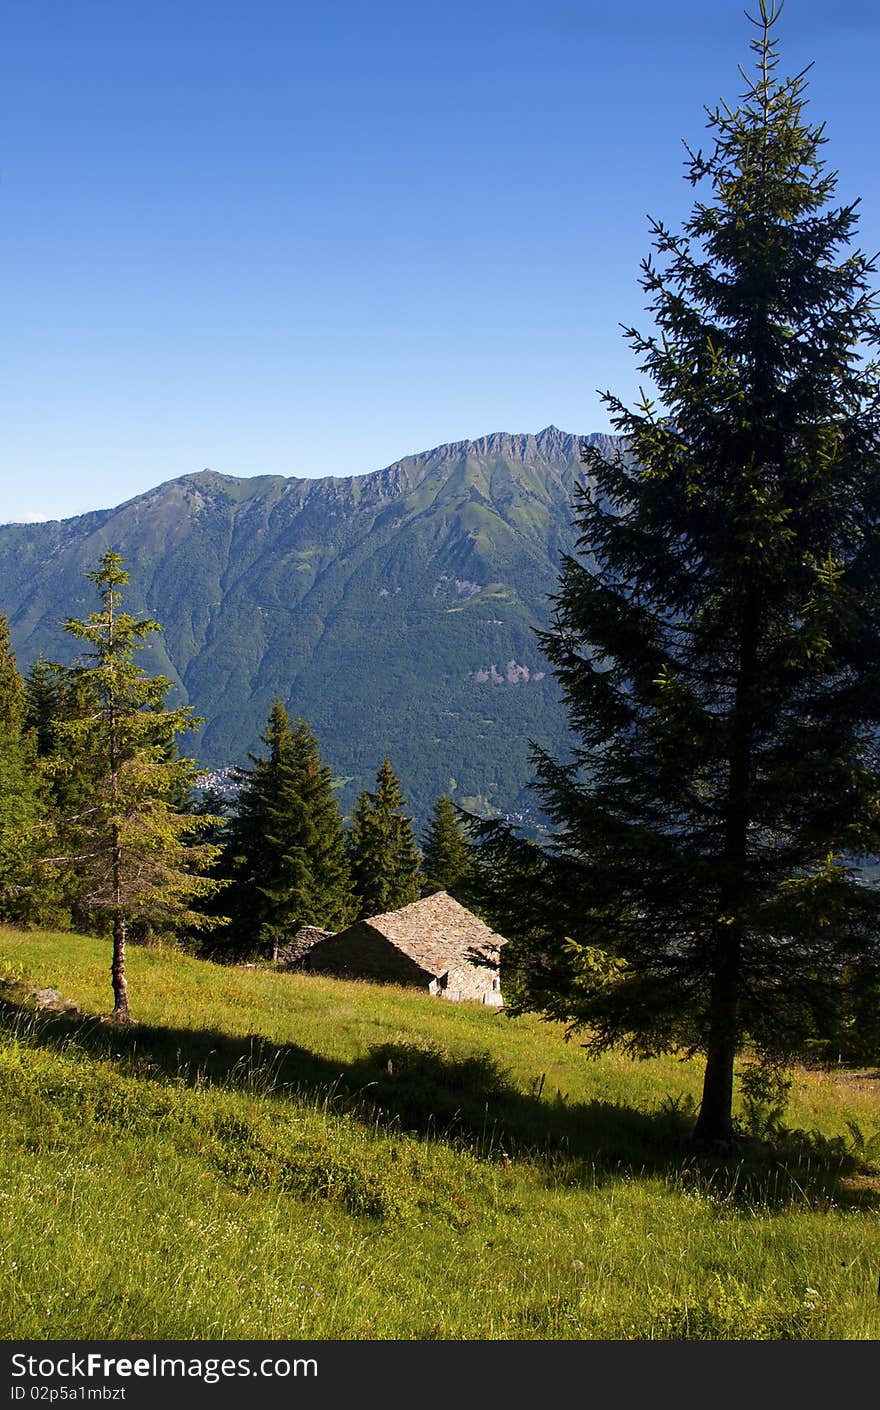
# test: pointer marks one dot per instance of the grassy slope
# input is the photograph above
(244, 1164)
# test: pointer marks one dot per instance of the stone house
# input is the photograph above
(434, 944)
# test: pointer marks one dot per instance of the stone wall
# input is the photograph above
(361, 953)
(475, 982)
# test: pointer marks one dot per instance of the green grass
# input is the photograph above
(276, 1156)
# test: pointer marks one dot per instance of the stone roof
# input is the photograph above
(438, 933)
(292, 951)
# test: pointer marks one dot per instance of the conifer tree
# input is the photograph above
(325, 895)
(246, 860)
(55, 695)
(447, 853)
(285, 850)
(12, 701)
(138, 856)
(25, 886)
(42, 693)
(385, 863)
(716, 638)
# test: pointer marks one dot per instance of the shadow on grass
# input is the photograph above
(470, 1104)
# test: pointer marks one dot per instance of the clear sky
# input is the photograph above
(304, 239)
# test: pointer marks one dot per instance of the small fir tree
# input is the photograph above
(447, 852)
(717, 639)
(137, 855)
(385, 862)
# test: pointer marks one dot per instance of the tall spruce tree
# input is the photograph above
(385, 862)
(137, 854)
(285, 850)
(447, 852)
(717, 639)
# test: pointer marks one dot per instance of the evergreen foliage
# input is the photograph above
(716, 637)
(26, 889)
(54, 696)
(120, 784)
(447, 852)
(285, 849)
(12, 704)
(42, 693)
(385, 862)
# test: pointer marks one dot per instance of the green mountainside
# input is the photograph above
(394, 610)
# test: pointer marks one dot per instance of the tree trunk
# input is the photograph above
(117, 968)
(714, 1123)
(117, 971)
(715, 1119)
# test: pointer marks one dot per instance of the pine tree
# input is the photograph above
(447, 853)
(285, 850)
(138, 856)
(55, 696)
(12, 701)
(25, 886)
(326, 896)
(42, 693)
(717, 638)
(385, 863)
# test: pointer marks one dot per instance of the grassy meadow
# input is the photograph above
(278, 1156)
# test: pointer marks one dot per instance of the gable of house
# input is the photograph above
(363, 952)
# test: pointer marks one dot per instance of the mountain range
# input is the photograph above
(394, 610)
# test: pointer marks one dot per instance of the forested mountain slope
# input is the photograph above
(395, 610)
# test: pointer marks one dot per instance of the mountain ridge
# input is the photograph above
(395, 610)
(550, 442)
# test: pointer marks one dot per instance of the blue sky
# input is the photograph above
(307, 239)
